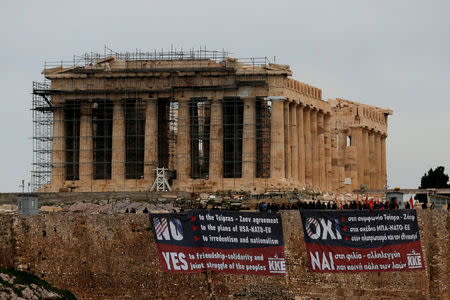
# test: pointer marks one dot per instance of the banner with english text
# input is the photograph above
(362, 240)
(221, 241)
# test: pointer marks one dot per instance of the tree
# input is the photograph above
(433, 179)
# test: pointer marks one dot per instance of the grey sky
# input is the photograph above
(387, 53)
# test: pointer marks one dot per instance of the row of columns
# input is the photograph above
(183, 159)
(371, 157)
(303, 151)
(300, 144)
(86, 155)
(183, 162)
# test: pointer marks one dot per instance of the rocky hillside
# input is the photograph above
(21, 285)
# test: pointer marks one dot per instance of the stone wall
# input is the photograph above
(101, 256)
(73, 197)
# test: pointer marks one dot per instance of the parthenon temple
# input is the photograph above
(106, 122)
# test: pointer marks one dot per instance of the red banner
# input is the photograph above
(362, 241)
(221, 241)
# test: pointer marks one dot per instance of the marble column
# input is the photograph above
(151, 141)
(321, 145)
(342, 146)
(301, 146)
(357, 140)
(183, 144)
(365, 159)
(287, 148)
(383, 160)
(328, 159)
(377, 162)
(277, 151)
(118, 144)
(372, 160)
(58, 148)
(315, 150)
(293, 141)
(249, 139)
(308, 146)
(86, 144)
(334, 159)
(216, 141)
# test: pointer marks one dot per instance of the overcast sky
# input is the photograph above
(392, 54)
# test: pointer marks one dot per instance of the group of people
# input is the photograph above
(314, 205)
(372, 205)
(133, 210)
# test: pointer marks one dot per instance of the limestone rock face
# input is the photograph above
(16, 285)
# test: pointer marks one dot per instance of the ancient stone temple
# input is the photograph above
(105, 123)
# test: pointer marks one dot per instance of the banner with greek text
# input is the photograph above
(221, 241)
(362, 241)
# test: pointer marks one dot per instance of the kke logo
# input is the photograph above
(277, 265)
(322, 228)
(168, 230)
(414, 260)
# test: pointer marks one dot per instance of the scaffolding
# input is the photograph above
(141, 57)
(42, 110)
(92, 122)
